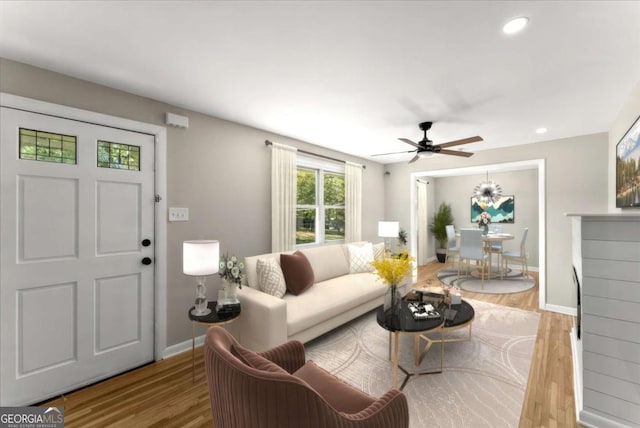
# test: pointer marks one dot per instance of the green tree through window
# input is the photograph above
(320, 206)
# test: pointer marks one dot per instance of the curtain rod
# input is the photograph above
(269, 143)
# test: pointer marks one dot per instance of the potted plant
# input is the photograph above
(402, 239)
(441, 218)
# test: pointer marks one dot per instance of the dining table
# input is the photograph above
(489, 239)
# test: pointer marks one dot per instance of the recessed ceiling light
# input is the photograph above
(515, 25)
(541, 130)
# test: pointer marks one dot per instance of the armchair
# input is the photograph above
(277, 389)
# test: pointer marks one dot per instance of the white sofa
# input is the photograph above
(336, 297)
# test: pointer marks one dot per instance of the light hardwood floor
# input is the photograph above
(162, 394)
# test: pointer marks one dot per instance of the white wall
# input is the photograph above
(220, 170)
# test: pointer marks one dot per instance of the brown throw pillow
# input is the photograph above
(342, 396)
(297, 272)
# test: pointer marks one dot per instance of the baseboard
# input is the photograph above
(560, 309)
(593, 420)
(181, 347)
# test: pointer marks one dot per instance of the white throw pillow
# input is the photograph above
(360, 258)
(270, 277)
(378, 250)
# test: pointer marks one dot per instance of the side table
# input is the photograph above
(213, 318)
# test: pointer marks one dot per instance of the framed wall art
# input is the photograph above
(501, 211)
(628, 168)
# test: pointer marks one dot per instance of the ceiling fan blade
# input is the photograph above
(393, 153)
(463, 141)
(406, 140)
(455, 153)
(415, 158)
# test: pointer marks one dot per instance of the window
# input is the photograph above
(118, 156)
(47, 146)
(320, 202)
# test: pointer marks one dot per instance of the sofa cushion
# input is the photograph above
(254, 360)
(297, 272)
(330, 298)
(270, 277)
(327, 261)
(360, 258)
(340, 395)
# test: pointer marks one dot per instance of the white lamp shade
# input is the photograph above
(388, 229)
(200, 258)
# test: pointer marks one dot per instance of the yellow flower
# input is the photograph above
(393, 269)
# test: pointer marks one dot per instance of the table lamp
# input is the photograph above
(200, 258)
(388, 229)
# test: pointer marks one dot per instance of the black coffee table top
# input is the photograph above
(464, 315)
(403, 321)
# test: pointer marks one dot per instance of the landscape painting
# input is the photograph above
(501, 211)
(628, 168)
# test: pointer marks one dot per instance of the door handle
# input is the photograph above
(146, 242)
(146, 261)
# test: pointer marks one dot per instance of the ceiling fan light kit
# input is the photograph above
(426, 148)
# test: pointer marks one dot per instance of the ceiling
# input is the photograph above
(352, 75)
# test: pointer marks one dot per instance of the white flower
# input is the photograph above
(231, 269)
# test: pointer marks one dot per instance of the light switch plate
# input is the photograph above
(178, 214)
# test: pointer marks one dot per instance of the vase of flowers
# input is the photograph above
(484, 221)
(393, 269)
(231, 271)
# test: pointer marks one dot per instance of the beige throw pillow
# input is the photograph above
(270, 277)
(360, 258)
(378, 251)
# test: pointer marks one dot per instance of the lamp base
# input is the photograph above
(195, 312)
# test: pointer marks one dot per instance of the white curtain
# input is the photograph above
(422, 222)
(283, 197)
(353, 202)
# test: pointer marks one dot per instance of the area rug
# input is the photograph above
(483, 382)
(513, 282)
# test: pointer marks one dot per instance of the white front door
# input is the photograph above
(76, 300)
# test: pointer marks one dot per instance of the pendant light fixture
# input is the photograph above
(488, 192)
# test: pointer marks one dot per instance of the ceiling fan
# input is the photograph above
(426, 145)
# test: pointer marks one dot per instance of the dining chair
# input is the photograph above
(520, 256)
(452, 244)
(472, 248)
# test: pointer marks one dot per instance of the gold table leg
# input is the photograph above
(193, 352)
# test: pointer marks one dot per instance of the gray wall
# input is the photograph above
(523, 185)
(220, 170)
(576, 181)
(216, 161)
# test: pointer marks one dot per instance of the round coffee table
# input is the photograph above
(403, 323)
